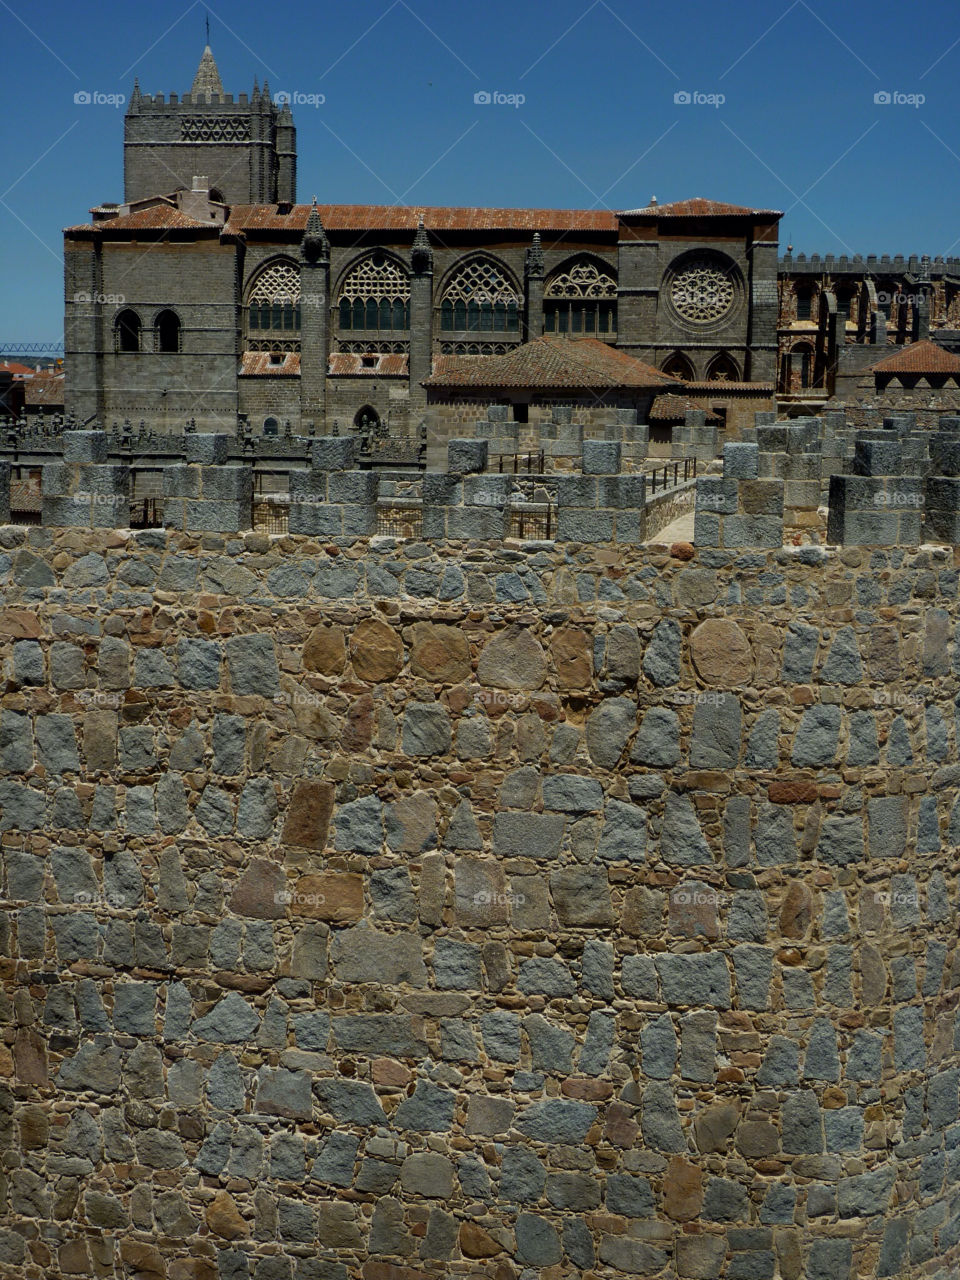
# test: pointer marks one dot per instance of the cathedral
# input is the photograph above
(210, 296)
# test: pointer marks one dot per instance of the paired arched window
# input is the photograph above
(166, 329)
(678, 366)
(273, 303)
(581, 299)
(722, 368)
(127, 331)
(480, 298)
(375, 296)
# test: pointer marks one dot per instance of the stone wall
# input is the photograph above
(401, 911)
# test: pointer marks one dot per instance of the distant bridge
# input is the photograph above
(52, 348)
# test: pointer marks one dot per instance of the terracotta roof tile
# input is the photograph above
(549, 362)
(257, 364)
(669, 408)
(698, 207)
(348, 364)
(44, 388)
(158, 217)
(919, 357)
(379, 217)
(17, 369)
(722, 388)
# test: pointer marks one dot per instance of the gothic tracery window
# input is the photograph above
(581, 299)
(480, 297)
(273, 309)
(375, 296)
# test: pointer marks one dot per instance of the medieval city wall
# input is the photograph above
(400, 910)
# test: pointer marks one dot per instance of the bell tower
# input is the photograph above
(246, 147)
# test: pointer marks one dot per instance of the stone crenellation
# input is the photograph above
(393, 910)
(825, 479)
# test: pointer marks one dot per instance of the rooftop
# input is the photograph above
(919, 357)
(549, 362)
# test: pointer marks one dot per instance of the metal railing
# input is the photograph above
(535, 522)
(689, 467)
(518, 459)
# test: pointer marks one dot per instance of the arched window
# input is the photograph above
(845, 298)
(273, 309)
(166, 329)
(271, 427)
(722, 368)
(581, 299)
(216, 195)
(480, 297)
(678, 366)
(801, 361)
(375, 296)
(804, 302)
(127, 331)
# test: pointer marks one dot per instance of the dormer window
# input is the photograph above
(277, 357)
(369, 362)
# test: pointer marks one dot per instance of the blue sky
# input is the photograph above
(798, 127)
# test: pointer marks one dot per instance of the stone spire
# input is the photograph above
(535, 265)
(207, 79)
(314, 247)
(421, 255)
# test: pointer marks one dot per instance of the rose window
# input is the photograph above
(702, 292)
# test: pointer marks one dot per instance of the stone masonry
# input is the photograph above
(396, 911)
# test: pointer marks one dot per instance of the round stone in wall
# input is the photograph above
(376, 651)
(512, 659)
(721, 654)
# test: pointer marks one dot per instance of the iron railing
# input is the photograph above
(689, 466)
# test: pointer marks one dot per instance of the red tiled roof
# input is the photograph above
(257, 364)
(919, 357)
(158, 217)
(720, 388)
(669, 407)
(44, 388)
(18, 370)
(382, 217)
(698, 207)
(347, 364)
(548, 362)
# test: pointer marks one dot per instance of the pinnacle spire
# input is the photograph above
(314, 247)
(421, 254)
(207, 80)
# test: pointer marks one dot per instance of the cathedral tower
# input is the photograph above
(247, 149)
